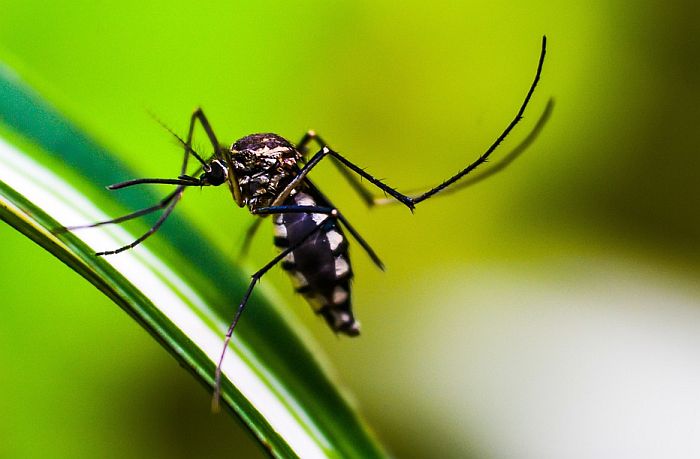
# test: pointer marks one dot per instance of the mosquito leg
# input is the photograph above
(184, 180)
(198, 114)
(177, 194)
(361, 241)
(352, 180)
(506, 161)
(139, 213)
(409, 201)
(241, 306)
(514, 154)
(498, 141)
(331, 211)
(169, 202)
(325, 151)
(308, 137)
(219, 152)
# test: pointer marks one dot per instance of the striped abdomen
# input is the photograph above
(320, 266)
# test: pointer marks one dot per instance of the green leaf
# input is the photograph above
(273, 380)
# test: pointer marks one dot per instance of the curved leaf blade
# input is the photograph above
(281, 392)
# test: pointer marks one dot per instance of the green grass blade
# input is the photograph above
(279, 389)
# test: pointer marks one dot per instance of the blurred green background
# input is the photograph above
(552, 311)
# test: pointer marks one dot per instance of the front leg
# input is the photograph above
(356, 185)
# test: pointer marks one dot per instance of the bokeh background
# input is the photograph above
(552, 311)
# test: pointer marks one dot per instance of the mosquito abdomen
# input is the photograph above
(320, 267)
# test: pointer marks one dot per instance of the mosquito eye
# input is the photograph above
(216, 175)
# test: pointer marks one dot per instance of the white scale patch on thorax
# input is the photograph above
(267, 151)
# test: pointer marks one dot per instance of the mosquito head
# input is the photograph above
(215, 174)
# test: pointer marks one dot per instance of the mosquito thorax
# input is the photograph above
(263, 165)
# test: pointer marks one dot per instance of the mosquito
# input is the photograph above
(269, 175)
